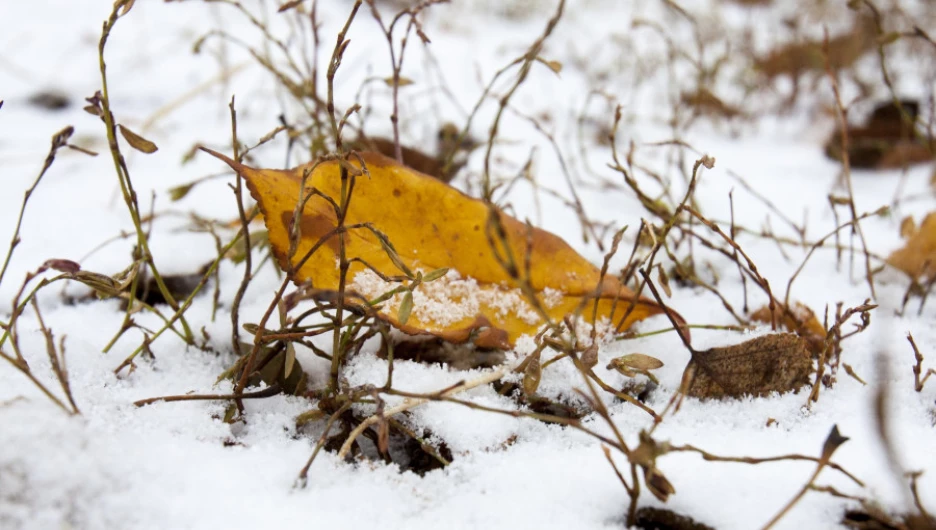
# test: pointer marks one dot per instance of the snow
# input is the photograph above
(452, 298)
(178, 465)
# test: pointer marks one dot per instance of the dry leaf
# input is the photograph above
(451, 153)
(532, 376)
(589, 356)
(289, 5)
(637, 361)
(803, 322)
(648, 517)
(805, 56)
(401, 81)
(773, 363)
(907, 227)
(704, 102)
(888, 140)
(136, 141)
(413, 158)
(126, 7)
(432, 226)
(663, 280)
(918, 256)
(555, 66)
(851, 371)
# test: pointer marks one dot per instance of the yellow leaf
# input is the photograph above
(430, 226)
(401, 81)
(907, 227)
(918, 257)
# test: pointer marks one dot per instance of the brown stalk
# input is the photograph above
(840, 114)
(918, 382)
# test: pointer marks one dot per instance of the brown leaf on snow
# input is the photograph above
(773, 363)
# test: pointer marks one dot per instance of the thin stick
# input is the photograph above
(59, 140)
(269, 391)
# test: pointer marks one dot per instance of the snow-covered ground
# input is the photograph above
(178, 465)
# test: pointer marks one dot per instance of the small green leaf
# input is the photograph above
(290, 359)
(889, 38)
(230, 413)
(435, 275)
(136, 141)
(178, 192)
(406, 307)
(392, 253)
(402, 81)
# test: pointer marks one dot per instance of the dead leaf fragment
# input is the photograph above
(532, 376)
(289, 5)
(451, 153)
(772, 363)
(636, 363)
(804, 56)
(917, 258)
(431, 226)
(589, 356)
(401, 81)
(661, 518)
(52, 100)
(907, 227)
(888, 140)
(705, 103)
(798, 319)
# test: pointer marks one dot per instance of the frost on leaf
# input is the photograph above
(417, 224)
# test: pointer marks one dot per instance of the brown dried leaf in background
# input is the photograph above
(778, 362)
(705, 103)
(431, 226)
(917, 258)
(803, 322)
(450, 156)
(50, 100)
(803, 56)
(888, 140)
